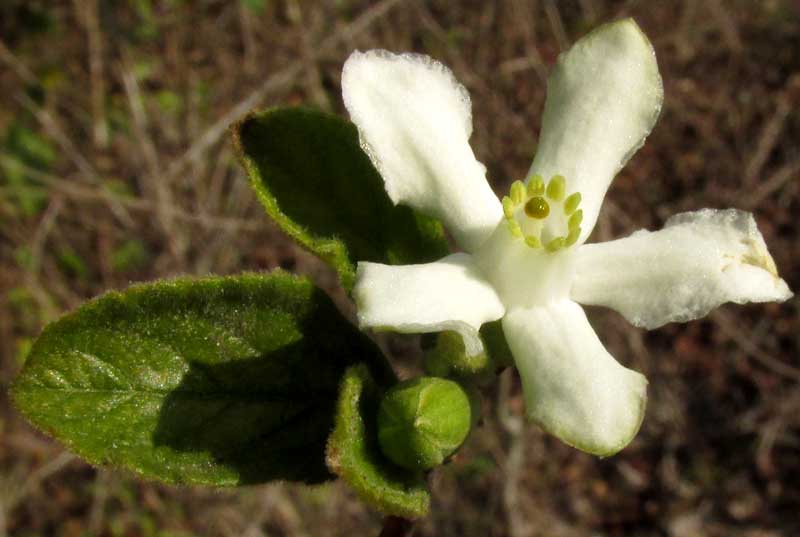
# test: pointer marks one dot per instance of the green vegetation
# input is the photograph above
(717, 455)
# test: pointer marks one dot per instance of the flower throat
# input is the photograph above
(542, 215)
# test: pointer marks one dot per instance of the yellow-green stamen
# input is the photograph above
(572, 238)
(536, 186)
(517, 192)
(571, 203)
(514, 228)
(576, 219)
(555, 244)
(533, 242)
(537, 208)
(536, 199)
(508, 207)
(556, 188)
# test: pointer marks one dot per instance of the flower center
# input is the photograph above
(537, 208)
(543, 216)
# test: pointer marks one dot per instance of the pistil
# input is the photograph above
(537, 208)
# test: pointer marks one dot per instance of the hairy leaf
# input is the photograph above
(218, 381)
(355, 456)
(319, 186)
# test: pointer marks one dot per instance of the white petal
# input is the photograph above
(415, 121)
(603, 98)
(697, 262)
(523, 276)
(448, 294)
(573, 388)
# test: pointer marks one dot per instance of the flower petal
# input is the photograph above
(573, 387)
(698, 261)
(603, 98)
(449, 294)
(415, 120)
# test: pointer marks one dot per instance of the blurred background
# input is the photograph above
(115, 167)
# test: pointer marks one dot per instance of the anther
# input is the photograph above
(556, 188)
(537, 208)
(508, 207)
(555, 244)
(576, 219)
(513, 227)
(572, 238)
(533, 242)
(517, 192)
(571, 203)
(536, 186)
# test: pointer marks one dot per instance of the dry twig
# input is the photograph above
(87, 12)
(277, 81)
(770, 133)
(158, 184)
(728, 327)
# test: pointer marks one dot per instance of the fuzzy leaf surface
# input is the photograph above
(354, 453)
(217, 381)
(318, 185)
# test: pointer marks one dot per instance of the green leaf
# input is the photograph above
(319, 186)
(217, 381)
(354, 453)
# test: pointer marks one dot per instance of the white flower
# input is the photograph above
(525, 261)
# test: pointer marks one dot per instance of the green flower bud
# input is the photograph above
(422, 421)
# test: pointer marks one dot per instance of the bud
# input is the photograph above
(422, 421)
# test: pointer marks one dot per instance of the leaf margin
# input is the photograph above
(98, 306)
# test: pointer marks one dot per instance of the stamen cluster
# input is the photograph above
(535, 200)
